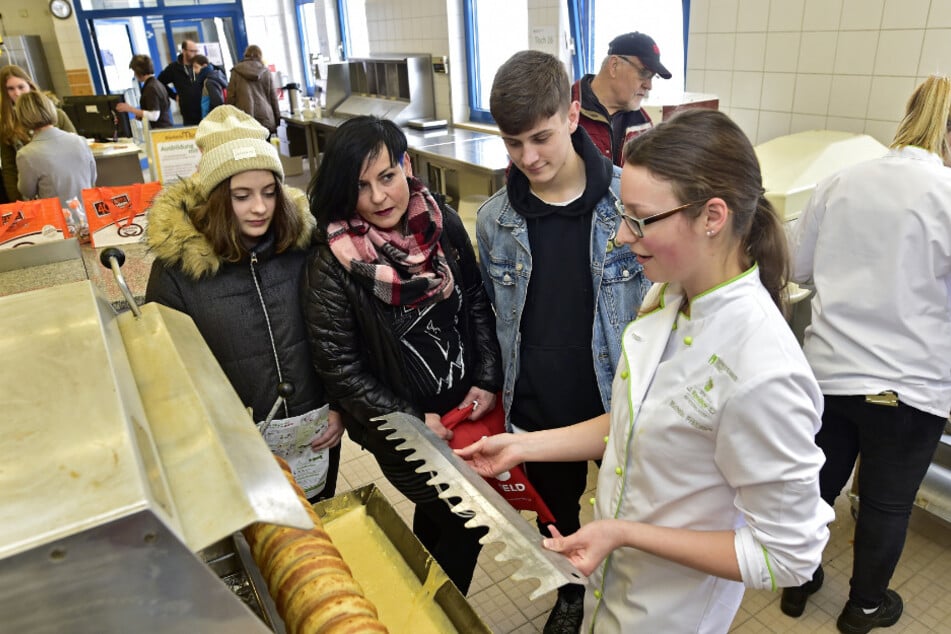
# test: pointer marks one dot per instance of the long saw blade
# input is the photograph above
(456, 479)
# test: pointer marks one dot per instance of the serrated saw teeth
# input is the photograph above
(474, 496)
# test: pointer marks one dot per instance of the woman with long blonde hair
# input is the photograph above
(875, 240)
(14, 81)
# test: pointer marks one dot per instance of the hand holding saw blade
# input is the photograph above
(456, 479)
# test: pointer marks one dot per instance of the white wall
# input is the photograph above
(784, 66)
(32, 17)
(437, 27)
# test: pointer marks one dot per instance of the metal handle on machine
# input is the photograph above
(113, 258)
(284, 390)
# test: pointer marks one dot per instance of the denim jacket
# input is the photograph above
(505, 259)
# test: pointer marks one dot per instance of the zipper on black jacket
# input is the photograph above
(270, 333)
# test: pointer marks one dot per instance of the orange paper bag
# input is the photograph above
(27, 222)
(116, 215)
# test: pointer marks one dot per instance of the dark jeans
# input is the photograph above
(896, 445)
(455, 547)
(560, 485)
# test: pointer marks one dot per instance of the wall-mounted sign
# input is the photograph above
(174, 153)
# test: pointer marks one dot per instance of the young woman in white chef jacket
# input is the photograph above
(709, 480)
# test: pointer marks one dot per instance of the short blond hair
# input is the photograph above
(927, 116)
(35, 110)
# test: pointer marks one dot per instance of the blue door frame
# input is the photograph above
(168, 14)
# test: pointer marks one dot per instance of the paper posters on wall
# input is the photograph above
(174, 153)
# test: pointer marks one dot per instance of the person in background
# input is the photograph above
(154, 104)
(230, 244)
(252, 89)
(611, 110)
(55, 163)
(213, 84)
(398, 316)
(875, 241)
(561, 288)
(180, 76)
(710, 473)
(15, 81)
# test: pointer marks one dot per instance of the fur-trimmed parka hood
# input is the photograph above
(173, 239)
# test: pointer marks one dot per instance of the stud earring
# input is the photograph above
(709, 233)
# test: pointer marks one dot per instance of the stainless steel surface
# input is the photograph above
(129, 575)
(123, 287)
(485, 155)
(521, 539)
(417, 139)
(124, 450)
(220, 471)
(75, 444)
(41, 253)
(26, 51)
(397, 87)
(447, 596)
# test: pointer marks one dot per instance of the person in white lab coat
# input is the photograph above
(875, 240)
(710, 473)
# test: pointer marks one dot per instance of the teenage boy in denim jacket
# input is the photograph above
(562, 290)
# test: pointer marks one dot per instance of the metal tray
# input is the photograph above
(448, 597)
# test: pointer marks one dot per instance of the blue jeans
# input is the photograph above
(896, 445)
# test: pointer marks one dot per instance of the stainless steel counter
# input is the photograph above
(456, 162)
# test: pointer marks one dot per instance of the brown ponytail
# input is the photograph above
(766, 245)
(703, 154)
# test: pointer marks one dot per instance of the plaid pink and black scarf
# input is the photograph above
(400, 269)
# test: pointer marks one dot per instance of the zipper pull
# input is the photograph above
(254, 258)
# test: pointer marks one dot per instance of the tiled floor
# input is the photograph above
(923, 577)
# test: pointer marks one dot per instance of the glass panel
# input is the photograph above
(358, 39)
(114, 42)
(100, 5)
(214, 36)
(97, 5)
(497, 39)
(189, 3)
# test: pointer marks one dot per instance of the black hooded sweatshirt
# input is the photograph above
(557, 385)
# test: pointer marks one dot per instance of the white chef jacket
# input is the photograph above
(712, 428)
(875, 239)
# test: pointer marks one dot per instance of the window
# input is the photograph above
(495, 30)
(353, 28)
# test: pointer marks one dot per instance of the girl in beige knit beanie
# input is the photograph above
(230, 244)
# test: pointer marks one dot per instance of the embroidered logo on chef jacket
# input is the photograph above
(697, 405)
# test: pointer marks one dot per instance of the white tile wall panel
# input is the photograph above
(855, 52)
(816, 50)
(849, 96)
(861, 14)
(899, 52)
(786, 15)
(812, 94)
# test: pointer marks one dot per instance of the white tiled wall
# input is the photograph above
(783, 66)
(436, 27)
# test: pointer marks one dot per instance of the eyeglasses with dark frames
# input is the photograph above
(642, 71)
(637, 225)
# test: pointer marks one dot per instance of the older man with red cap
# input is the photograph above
(611, 110)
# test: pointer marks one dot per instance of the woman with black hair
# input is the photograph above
(398, 317)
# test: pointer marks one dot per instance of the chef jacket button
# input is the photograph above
(625, 374)
(597, 594)
(618, 470)
(688, 340)
(626, 273)
(605, 440)
(519, 266)
(591, 501)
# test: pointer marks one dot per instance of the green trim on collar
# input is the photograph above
(753, 268)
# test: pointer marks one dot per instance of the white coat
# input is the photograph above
(712, 428)
(875, 239)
